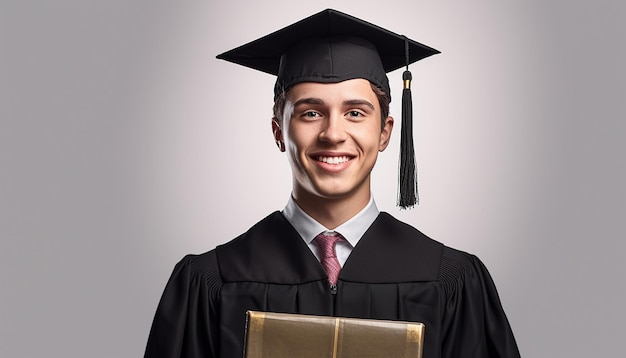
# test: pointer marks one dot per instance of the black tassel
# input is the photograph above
(407, 196)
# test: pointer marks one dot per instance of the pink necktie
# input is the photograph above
(326, 244)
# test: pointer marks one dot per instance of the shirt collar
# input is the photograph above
(352, 230)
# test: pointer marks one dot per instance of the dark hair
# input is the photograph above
(383, 100)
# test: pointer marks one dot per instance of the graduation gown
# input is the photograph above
(394, 273)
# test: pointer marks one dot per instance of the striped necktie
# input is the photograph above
(326, 244)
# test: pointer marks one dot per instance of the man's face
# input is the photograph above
(332, 134)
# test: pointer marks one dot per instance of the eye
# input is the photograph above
(310, 114)
(355, 113)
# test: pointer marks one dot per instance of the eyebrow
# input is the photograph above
(359, 102)
(349, 102)
(308, 100)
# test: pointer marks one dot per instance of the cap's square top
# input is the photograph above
(327, 47)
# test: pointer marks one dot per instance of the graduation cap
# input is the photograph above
(331, 47)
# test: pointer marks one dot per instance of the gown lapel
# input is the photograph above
(276, 249)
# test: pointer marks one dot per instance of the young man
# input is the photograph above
(330, 251)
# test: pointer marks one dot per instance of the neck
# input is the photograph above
(331, 212)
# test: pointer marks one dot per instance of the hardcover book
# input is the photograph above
(280, 335)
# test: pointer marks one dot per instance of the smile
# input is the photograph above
(333, 160)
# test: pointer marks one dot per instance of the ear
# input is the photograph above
(385, 134)
(278, 134)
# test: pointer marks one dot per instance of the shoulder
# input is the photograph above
(272, 225)
(270, 251)
(257, 239)
(455, 263)
(402, 254)
(404, 238)
(198, 264)
(394, 241)
(452, 262)
(463, 271)
(394, 229)
(199, 269)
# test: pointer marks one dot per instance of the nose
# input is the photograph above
(334, 130)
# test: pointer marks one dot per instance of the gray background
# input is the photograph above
(124, 145)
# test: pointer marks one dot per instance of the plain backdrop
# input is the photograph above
(124, 145)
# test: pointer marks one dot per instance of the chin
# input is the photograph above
(336, 192)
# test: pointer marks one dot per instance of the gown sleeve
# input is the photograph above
(186, 323)
(475, 324)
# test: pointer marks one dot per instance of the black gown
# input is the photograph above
(395, 273)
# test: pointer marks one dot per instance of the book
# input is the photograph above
(281, 335)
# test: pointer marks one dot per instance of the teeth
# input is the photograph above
(333, 160)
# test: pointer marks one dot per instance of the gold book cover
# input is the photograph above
(281, 335)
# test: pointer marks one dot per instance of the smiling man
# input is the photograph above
(330, 251)
(332, 134)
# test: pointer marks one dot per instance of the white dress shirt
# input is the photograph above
(352, 230)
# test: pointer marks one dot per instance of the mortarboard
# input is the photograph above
(331, 47)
